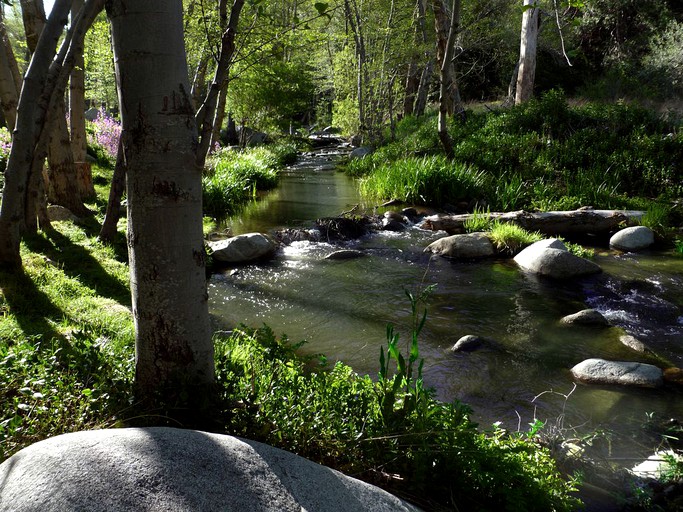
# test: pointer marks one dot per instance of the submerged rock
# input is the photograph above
(601, 371)
(471, 245)
(586, 317)
(161, 469)
(633, 343)
(345, 228)
(345, 254)
(634, 238)
(242, 248)
(550, 258)
(470, 342)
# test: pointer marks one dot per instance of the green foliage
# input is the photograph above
(678, 243)
(479, 220)
(544, 154)
(511, 238)
(234, 177)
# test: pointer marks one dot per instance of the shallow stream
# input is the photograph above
(342, 308)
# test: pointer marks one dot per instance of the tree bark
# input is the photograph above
(84, 181)
(527, 52)
(118, 185)
(549, 223)
(174, 351)
(10, 79)
(62, 181)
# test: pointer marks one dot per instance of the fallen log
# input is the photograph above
(583, 220)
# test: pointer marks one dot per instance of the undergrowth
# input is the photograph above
(542, 155)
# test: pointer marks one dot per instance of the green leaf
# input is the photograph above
(321, 7)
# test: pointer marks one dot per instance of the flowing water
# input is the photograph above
(342, 308)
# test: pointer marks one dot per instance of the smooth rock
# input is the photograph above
(471, 245)
(633, 343)
(634, 238)
(654, 465)
(345, 254)
(470, 342)
(58, 213)
(166, 469)
(585, 317)
(242, 248)
(601, 371)
(673, 375)
(549, 258)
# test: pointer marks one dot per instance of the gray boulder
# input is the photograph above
(471, 245)
(163, 469)
(601, 371)
(242, 248)
(634, 238)
(633, 343)
(586, 317)
(550, 258)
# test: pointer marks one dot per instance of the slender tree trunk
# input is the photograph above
(61, 174)
(174, 351)
(441, 26)
(206, 113)
(79, 145)
(118, 185)
(449, 97)
(220, 116)
(10, 79)
(423, 89)
(415, 72)
(527, 52)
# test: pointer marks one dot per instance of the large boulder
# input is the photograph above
(360, 152)
(601, 371)
(634, 238)
(550, 258)
(471, 245)
(242, 248)
(162, 469)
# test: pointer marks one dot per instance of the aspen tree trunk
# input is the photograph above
(527, 52)
(10, 79)
(174, 351)
(449, 96)
(84, 182)
(118, 185)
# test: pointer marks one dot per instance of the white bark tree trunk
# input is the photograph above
(84, 182)
(10, 80)
(174, 350)
(527, 52)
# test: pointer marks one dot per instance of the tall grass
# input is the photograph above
(426, 180)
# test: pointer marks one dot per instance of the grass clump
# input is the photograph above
(234, 177)
(510, 238)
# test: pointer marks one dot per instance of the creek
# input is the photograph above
(342, 308)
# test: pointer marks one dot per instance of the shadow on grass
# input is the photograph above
(31, 307)
(92, 228)
(78, 263)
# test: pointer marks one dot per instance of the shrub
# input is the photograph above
(103, 136)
